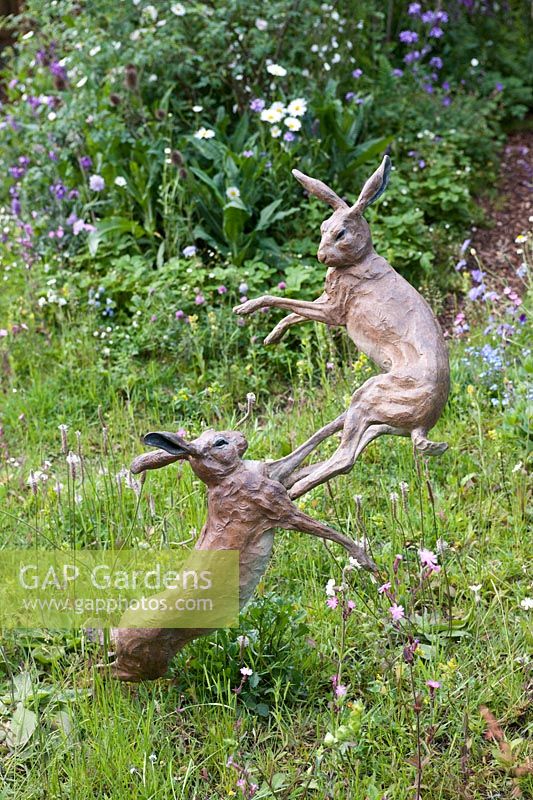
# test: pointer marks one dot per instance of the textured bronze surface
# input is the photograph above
(246, 501)
(386, 318)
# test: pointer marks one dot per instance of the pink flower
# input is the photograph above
(199, 299)
(282, 285)
(428, 559)
(222, 290)
(384, 588)
(433, 684)
(332, 602)
(340, 690)
(396, 612)
(351, 605)
(246, 671)
(3, 333)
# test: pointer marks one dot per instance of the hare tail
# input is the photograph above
(426, 446)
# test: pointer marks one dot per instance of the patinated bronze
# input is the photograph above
(386, 318)
(246, 501)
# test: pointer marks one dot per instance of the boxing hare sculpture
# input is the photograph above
(246, 500)
(386, 318)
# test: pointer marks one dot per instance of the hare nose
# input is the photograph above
(321, 255)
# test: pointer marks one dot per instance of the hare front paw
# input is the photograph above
(253, 305)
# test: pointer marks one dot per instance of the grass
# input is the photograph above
(285, 731)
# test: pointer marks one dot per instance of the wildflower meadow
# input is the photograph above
(147, 151)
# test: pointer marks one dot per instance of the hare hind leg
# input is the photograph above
(425, 445)
(343, 458)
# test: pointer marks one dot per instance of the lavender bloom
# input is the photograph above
(476, 292)
(86, 162)
(73, 194)
(222, 290)
(429, 17)
(58, 190)
(414, 9)
(257, 104)
(408, 37)
(477, 275)
(499, 87)
(436, 32)
(436, 62)
(422, 163)
(349, 96)
(189, 251)
(397, 73)
(446, 101)
(199, 299)
(357, 73)
(16, 172)
(58, 71)
(180, 314)
(412, 56)
(248, 153)
(441, 16)
(288, 136)
(446, 86)
(428, 88)
(460, 265)
(96, 183)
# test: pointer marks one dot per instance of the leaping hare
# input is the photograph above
(246, 501)
(386, 318)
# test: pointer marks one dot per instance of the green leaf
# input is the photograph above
(208, 182)
(269, 214)
(110, 226)
(235, 216)
(21, 727)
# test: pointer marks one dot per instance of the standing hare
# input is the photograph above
(386, 318)
(246, 501)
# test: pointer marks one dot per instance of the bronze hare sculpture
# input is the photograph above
(246, 501)
(386, 318)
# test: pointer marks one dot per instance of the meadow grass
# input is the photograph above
(287, 731)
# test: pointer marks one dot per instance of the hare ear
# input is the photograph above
(320, 190)
(374, 187)
(171, 443)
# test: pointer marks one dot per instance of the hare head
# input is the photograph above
(212, 456)
(346, 235)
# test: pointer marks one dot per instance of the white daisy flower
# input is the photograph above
(297, 107)
(527, 603)
(232, 193)
(120, 181)
(275, 131)
(178, 9)
(292, 123)
(271, 115)
(277, 70)
(204, 133)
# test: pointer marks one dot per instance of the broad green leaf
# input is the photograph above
(21, 727)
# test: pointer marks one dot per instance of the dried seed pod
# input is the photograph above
(115, 99)
(176, 158)
(130, 77)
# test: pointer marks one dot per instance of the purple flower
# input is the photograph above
(73, 194)
(349, 96)
(421, 163)
(436, 32)
(288, 136)
(476, 292)
(436, 62)
(384, 588)
(282, 285)
(429, 17)
(441, 16)
(414, 55)
(408, 37)
(257, 104)
(460, 265)
(16, 172)
(86, 162)
(414, 9)
(179, 314)
(428, 559)
(189, 251)
(248, 153)
(96, 183)
(332, 602)
(499, 87)
(57, 70)
(222, 290)
(357, 73)
(59, 190)
(397, 612)
(477, 275)
(446, 101)
(243, 288)
(428, 88)
(199, 299)
(397, 73)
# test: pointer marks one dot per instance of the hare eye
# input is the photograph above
(220, 442)
(340, 234)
